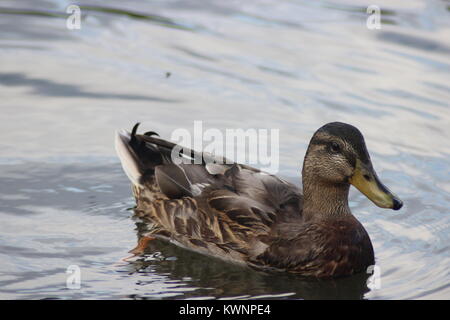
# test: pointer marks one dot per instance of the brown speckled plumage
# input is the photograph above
(258, 220)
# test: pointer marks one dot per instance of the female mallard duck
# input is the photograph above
(252, 218)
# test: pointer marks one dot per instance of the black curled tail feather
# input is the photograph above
(141, 154)
(148, 154)
(138, 157)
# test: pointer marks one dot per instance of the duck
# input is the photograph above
(251, 218)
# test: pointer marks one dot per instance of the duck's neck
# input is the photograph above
(324, 200)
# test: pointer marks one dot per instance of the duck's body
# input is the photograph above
(239, 214)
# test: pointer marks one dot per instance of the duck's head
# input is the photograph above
(337, 155)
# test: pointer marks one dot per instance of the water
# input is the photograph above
(291, 65)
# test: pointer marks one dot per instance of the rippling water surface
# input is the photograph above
(288, 65)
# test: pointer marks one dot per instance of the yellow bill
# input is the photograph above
(365, 180)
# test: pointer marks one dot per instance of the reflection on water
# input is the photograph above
(275, 64)
(212, 278)
(49, 88)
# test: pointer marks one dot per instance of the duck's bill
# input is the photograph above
(365, 180)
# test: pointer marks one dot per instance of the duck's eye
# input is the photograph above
(334, 147)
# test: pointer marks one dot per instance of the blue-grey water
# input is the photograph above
(276, 64)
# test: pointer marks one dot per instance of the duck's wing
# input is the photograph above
(247, 184)
(153, 163)
(238, 186)
(282, 197)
